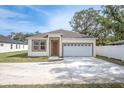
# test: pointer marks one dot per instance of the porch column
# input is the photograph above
(60, 48)
(48, 47)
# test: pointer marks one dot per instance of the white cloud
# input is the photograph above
(55, 20)
(6, 23)
(60, 21)
(4, 13)
(39, 10)
(19, 26)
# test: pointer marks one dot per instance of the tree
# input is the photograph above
(89, 22)
(28, 34)
(19, 36)
(85, 22)
(104, 31)
(115, 13)
(12, 34)
(37, 32)
(107, 25)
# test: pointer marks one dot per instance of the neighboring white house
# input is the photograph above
(9, 45)
(61, 43)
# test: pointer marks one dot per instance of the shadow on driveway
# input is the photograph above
(89, 71)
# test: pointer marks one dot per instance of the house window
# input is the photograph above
(23, 46)
(1, 44)
(42, 45)
(16, 46)
(35, 45)
(19, 46)
(39, 45)
(11, 46)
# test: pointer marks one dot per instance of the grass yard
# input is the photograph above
(20, 56)
(116, 61)
(107, 85)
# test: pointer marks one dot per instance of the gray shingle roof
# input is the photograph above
(65, 33)
(4, 39)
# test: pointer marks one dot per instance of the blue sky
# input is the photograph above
(37, 18)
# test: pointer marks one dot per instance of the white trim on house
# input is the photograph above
(37, 53)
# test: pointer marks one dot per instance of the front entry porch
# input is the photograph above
(54, 46)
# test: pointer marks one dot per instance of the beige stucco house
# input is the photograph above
(61, 43)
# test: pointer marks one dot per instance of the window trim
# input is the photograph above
(1, 44)
(11, 46)
(39, 46)
(19, 46)
(16, 46)
(23, 46)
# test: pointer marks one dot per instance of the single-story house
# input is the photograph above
(10, 45)
(61, 43)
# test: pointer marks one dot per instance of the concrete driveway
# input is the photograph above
(70, 70)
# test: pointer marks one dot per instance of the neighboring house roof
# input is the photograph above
(65, 34)
(4, 39)
(117, 42)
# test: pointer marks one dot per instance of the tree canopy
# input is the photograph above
(21, 36)
(107, 24)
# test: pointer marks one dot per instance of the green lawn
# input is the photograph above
(20, 56)
(107, 85)
(116, 61)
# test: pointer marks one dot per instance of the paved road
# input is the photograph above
(70, 70)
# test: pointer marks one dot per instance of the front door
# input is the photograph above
(54, 47)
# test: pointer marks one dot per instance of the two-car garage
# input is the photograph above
(77, 49)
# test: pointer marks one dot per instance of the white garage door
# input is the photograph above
(77, 50)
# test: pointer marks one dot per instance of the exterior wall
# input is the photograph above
(81, 40)
(62, 40)
(111, 51)
(31, 53)
(6, 48)
(47, 53)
